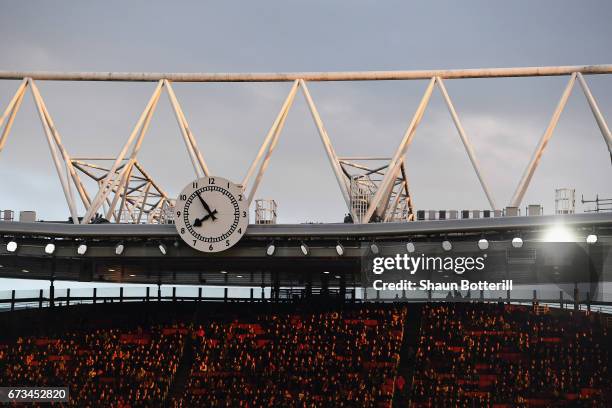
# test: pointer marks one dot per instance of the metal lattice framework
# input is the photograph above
(126, 193)
(142, 200)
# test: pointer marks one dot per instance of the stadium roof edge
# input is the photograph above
(313, 230)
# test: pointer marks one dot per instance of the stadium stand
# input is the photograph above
(310, 355)
(507, 356)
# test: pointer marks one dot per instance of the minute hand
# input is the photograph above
(207, 208)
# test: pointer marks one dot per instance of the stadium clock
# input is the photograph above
(211, 214)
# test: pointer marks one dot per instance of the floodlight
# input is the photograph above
(270, 249)
(374, 248)
(11, 246)
(339, 249)
(119, 248)
(50, 248)
(559, 233)
(483, 244)
(81, 249)
(591, 239)
(410, 247)
(446, 245)
(304, 248)
(517, 242)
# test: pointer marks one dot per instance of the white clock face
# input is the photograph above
(211, 214)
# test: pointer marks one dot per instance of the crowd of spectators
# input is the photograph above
(334, 358)
(101, 368)
(352, 355)
(509, 356)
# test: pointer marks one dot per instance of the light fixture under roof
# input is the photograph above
(162, 248)
(337, 276)
(223, 272)
(239, 276)
(132, 275)
(483, 244)
(374, 248)
(410, 247)
(591, 239)
(119, 248)
(25, 271)
(270, 249)
(304, 248)
(50, 248)
(446, 245)
(82, 249)
(11, 246)
(339, 249)
(326, 272)
(517, 242)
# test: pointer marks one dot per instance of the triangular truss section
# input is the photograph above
(142, 202)
(365, 175)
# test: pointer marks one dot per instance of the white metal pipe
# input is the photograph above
(601, 121)
(11, 110)
(271, 147)
(537, 155)
(466, 142)
(308, 76)
(54, 154)
(390, 176)
(329, 148)
(197, 160)
(286, 105)
(58, 141)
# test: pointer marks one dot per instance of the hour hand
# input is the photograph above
(198, 221)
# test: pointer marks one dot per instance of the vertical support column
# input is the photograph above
(95, 295)
(576, 294)
(13, 300)
(588, 301)
(51, 294)
(40, 298)
(68, 297)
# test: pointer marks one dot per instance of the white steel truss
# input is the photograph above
(126, 193)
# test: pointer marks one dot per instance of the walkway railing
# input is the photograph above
(43, 298)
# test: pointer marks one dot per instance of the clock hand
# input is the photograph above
(198, 221)
(207, 208)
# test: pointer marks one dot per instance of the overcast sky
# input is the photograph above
(503, 117)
